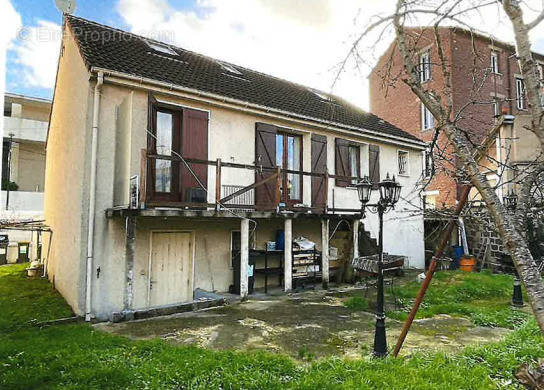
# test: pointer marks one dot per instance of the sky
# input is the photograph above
(299, 40)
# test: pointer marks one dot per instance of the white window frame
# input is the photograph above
(520, 93)
(428, 162)
(426, 194)
(425, 66)
(406, 171)
(494, 58)
(357, 150)
(496, 109)
(427, 118)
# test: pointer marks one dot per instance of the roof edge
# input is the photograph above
(414, 142)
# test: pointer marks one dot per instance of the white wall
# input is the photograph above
(23, 203)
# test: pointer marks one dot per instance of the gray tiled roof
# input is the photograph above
(109, 48)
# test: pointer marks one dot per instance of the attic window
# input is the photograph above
(319, 94)
(229, 68)
(161, 48)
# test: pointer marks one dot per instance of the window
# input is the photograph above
(403, 162)
(319, 94)
(494, 62)
(353, 152)
(163, 147)
(520, 93)
(427, 119)
(288, 156)
(496, 107)
(229, 68)
(428, 163)
(425, 67)
(171, 128)
(429, 199)
(540, 69)
(161, 48)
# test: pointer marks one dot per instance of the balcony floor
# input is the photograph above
(125, 211)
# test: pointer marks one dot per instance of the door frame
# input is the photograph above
(192, 243)
(285, 195)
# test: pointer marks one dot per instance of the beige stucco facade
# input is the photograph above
(121, 136)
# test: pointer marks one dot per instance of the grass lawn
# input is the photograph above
(483, 297)
(77, 356)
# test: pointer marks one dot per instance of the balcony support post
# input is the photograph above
(288, 256)
(244, 256)
(130, 249)
(355, 238)
(325, 253)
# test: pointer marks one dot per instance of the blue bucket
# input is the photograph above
(457, 254)
(280, 240)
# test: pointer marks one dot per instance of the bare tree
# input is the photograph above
(466, 147)
(510, 227)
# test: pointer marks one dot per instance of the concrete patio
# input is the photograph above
(313, 323)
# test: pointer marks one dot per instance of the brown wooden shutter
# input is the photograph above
(319, 165)
(341, 161)
(374, 165)
(265, 156)
(194, 145)
(151, 143)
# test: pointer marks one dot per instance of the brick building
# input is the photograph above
(485, 81)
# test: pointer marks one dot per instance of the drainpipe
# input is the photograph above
(92, 196)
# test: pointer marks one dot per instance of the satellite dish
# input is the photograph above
(66, 6)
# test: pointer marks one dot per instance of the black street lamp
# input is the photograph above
(389, 196)
(510, 201)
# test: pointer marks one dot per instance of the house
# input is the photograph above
(23, 174)
(483, 70)
(162, 163)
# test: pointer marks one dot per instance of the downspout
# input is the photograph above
(92, 196)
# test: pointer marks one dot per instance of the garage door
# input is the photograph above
(171, 268)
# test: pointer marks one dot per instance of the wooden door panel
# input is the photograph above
(194, 145)
(265, 156)
(319, 165)
(341, 159)
(374, 165)
(171, 268)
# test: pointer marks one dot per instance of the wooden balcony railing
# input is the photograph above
(275, 175)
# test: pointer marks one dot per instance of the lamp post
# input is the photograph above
(389, 196)
(510, 201)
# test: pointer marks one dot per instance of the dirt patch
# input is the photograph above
(307, 325)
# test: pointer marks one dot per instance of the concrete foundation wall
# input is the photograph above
(212, 256)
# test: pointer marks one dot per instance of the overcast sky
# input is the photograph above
(302, 41)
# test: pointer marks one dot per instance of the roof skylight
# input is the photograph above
(229, 68)
(162, 48)
(319, 94)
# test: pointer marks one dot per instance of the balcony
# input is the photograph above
(244, 197)
(22, 202)
(25, 129)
